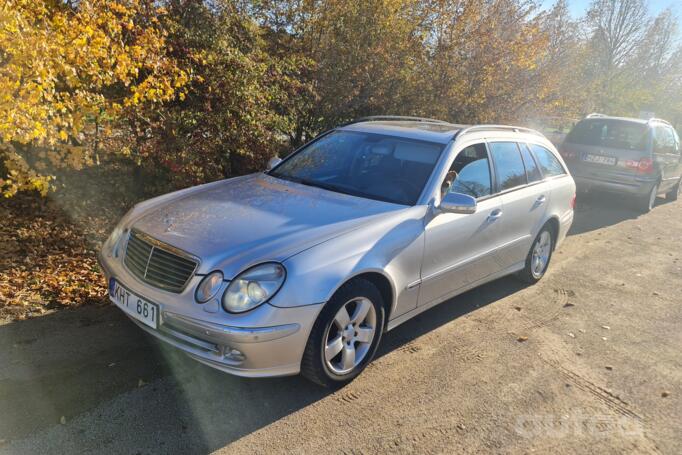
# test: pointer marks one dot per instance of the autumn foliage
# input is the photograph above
(185, 91)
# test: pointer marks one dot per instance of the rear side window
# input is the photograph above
(509, 168)
(664, 140)
(549, 163)
(532, 171)
(610, 133)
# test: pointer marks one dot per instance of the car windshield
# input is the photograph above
(610, 133)
(375, 166)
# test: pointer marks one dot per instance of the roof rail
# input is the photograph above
(379, 118)
(515, 129)
(595, 114)
(659, 120)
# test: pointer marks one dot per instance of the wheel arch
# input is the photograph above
(553, 223)
(382, 282)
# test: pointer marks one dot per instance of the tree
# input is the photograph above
(238, 106)
(67, 73)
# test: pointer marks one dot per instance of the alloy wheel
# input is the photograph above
(349, 336)
(652, 197)
(541, 252)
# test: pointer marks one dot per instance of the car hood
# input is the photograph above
(235, 223)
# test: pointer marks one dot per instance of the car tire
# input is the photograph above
(337, 340)
(674, 193)
(539, 255)
(646, 204)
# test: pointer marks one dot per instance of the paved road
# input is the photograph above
(603, 347)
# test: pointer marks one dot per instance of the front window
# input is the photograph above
(374, 166)
(470, 173)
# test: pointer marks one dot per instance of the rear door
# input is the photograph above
(608, 150)
(524, 198)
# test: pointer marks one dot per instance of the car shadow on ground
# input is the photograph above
(94, 361)
(599, 210)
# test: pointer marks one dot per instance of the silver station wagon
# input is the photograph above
(301, 269)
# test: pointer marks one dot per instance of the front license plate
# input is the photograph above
(600, 159)
(137, 307)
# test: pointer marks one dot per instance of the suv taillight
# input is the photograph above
(573, 201)
(643, 166)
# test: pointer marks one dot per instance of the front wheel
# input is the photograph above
(539, 256)
(345, 336)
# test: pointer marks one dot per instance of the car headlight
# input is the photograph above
(253, 287)
(113, 241)
(209, 287)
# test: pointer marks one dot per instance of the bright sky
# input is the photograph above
(578, 7)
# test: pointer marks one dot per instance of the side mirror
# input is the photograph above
(458, 203)
(273, 162)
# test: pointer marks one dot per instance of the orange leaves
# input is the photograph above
(46, 261)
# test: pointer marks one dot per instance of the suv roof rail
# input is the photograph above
(515, 129)
(379, 118)
(659, 120)
(595, 114)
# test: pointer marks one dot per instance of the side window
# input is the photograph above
(675, 141)
(509, 168)
(470, 173)
(678, 146)
(664, 140)
(549, 163)
(532, 171)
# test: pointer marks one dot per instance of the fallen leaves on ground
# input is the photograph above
(47, 258)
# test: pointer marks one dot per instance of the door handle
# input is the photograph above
(541, 200)
(495, 214)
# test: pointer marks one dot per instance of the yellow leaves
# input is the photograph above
(63, 70)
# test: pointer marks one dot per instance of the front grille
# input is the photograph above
(154, 262)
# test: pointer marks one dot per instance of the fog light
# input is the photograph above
(234, 354)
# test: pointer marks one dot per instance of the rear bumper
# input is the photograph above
(638, 186)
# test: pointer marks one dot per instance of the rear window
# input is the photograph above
(609, 133)
(509, 167)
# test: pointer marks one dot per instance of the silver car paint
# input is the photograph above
(324, 239)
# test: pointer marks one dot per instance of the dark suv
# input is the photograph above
(640, 158)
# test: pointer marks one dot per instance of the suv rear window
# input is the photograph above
(609, 133)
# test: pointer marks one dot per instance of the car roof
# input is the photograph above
(623, 119)
(626, 119)
(430, 131)
(437, 131)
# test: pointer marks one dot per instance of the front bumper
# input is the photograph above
(267, 341)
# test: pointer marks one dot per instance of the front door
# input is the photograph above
(459, 248)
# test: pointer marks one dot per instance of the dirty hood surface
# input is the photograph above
(238, 222)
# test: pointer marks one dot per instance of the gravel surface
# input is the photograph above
(586, 361)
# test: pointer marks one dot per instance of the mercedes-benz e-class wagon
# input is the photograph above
(302, 268)
(637, 158)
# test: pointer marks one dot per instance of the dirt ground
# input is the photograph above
(599, 372)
